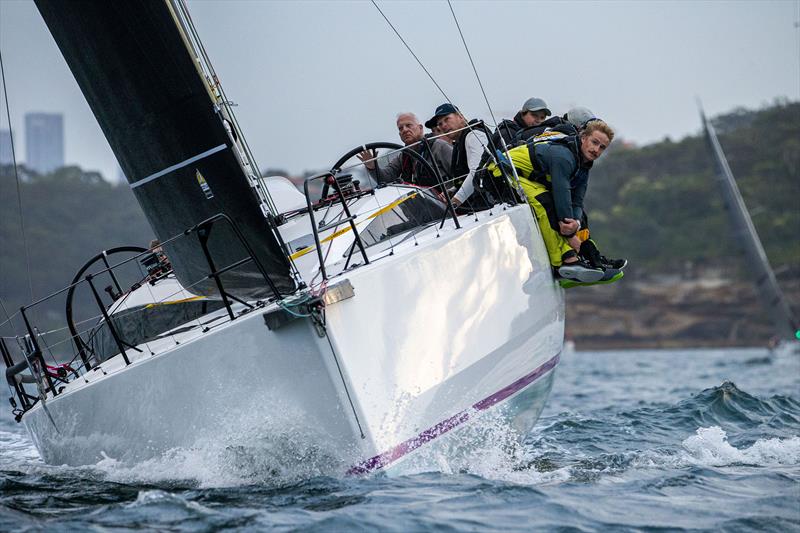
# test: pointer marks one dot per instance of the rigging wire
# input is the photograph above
(474, 69)
(487, 149)
(8, 317)
(16, 177)
(486, 98)
(411, 51)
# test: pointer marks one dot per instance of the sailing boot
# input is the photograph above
(610, 276)
(590, 252)
(581, 271)
(617, 264)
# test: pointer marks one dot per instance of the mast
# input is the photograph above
(205, 69)
(784, 323)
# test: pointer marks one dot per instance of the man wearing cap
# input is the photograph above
(571, 123)
(470, 143)
(402, 166)
(534, 111)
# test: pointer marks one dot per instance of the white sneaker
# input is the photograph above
(580, 271)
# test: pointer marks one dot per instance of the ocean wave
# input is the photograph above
(584, 447)
(215, 462)
(727, 405)
(159, 498)
(16, 449)
(723, 405)
(570, 446)
(273, 462)
(710, 447)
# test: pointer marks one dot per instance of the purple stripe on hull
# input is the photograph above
(390, 456)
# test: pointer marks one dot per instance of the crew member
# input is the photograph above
(571, 123)
(554, 175)
(534, 111)
(402, 166)
(471, 148)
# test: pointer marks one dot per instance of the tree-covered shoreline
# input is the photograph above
(660, 205)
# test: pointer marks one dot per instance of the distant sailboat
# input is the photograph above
(784, 323)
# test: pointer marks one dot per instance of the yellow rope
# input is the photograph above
(192, 299)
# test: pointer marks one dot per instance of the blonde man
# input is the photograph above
(554, 175)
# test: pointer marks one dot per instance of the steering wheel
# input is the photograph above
(337, 167)
(83, 348)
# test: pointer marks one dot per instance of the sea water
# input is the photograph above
(630, 440)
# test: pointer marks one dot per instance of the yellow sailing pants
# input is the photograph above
(541, 201)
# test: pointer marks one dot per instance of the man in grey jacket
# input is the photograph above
(401, 166)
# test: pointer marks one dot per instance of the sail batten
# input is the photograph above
(182, 164)
(785, 324)
(140, 78)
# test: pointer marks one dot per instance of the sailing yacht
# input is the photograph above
(785, 325)
(368, 322)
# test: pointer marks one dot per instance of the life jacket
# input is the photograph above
(507, 131)
(459, 165)
(413, 171)
(539, 174)
(556, 124)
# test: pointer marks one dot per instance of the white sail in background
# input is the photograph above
(784, 323)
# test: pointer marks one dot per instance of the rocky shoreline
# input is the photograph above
(670, 313)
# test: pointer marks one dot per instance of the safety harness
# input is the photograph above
(459, 165)
(551, 137)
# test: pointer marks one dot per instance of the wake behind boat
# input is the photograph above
(367, 321)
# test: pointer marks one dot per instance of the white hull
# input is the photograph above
(439, 330)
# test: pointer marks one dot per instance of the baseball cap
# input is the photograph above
(535, 104)
(442, 110)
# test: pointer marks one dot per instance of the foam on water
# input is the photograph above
(710, 447)
(273, 458)
(16, 449)
(277, 460)
(487, 446)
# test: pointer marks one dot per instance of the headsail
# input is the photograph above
(133, 64)
(784, 322)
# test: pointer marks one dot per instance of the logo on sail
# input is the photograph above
(204, 185)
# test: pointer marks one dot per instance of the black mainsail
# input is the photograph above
(784, 322)
(133, 64)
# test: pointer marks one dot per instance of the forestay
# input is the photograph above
(133, 65)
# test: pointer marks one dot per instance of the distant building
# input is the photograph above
(44, 141)
(6, 155)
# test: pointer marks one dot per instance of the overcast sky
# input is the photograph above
(314, 79)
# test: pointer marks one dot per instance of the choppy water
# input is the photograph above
(634, 440)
